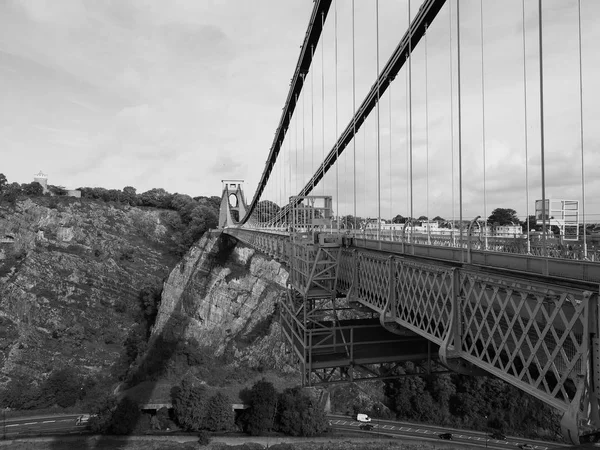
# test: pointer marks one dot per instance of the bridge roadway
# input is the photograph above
(528, 320)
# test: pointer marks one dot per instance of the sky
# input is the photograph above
(182, 94)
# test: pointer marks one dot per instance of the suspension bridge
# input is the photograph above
(474, 106)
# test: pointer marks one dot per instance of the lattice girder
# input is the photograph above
(544, 339)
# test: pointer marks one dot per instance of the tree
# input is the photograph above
(299, 414)
(129, 195)
(102, 412)
(532, 224)
(3, 182)
(149, 299)
(33, 189)
(219, 415)
(189, 400)
(157, 197)
(399, 219)
(423, 218)
(503, 216)
(125, 417)
(16, 393)
(57, 190)
(439, 219)
(262, 399)
(63, 387)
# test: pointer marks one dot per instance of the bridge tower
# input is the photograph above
(232, 199)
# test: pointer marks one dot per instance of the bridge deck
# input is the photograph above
(358, 341)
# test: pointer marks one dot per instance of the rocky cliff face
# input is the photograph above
(224, 297)
(70, 274)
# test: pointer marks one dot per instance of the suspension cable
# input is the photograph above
(542, 150)
(410, 110)
(460, 196)
(585, 255)
(406, 113)
(312, 114)
(303, 126)
(323, 99)
(427, 139)
(290, 160)
(365, 164)
(335, 46)
(378, 128)
(483, 125)
(296, 134)
(526, 132)
(391, 192)
(354, 109)
(452, 120)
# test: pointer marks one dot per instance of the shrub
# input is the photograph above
(125, 417)
(203, 437)
(263, 400)
(189, 400)
(219, 415)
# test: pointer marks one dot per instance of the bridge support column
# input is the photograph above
(581, 421)
(451, 348)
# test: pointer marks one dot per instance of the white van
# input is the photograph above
(363, 418)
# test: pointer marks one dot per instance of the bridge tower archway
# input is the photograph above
(233, 203)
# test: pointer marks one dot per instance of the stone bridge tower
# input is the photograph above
(232, 199)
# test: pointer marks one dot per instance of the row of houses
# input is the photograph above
(434, 228)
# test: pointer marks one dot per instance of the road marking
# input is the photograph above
(405, 429)
(15, 425)
(49, 421)
(29, 423)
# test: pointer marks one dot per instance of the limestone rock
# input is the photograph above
(70, 280)
(223, 295)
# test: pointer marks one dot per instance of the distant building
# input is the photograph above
(42, 178)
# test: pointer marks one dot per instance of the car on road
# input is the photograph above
(498, 435)
(84, 419)
(447, 436)
(526, 447)
(366, 427)
(363, 418)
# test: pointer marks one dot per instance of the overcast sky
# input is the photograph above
(182, 94)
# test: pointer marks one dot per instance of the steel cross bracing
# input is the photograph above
(539, 333)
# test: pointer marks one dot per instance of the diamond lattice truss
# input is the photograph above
(528, 332)
(539, 333)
